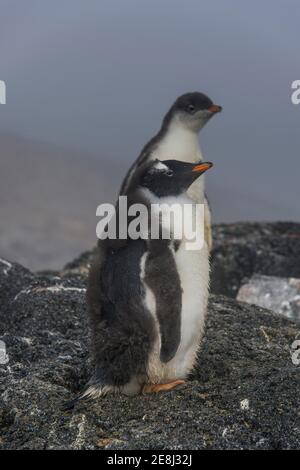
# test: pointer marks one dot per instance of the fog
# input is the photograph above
(96, 78)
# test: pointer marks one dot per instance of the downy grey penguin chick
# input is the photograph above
(148, 297)
(178, 139)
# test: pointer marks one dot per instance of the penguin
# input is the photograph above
(178, 139)
(147, 297)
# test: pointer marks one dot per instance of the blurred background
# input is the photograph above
(88, 83)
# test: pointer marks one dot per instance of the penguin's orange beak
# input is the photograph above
(202, 167)
(215, 109)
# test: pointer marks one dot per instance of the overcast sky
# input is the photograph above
(97, 76)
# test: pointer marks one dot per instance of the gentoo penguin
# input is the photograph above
(147, 297)
(177, 139)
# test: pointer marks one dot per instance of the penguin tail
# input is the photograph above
(92, 392)
(70, 405)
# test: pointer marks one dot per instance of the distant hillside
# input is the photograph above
(49, 195)
(48, 199)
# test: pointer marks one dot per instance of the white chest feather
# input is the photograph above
(193, 270)
(179, 144)
(182, 144)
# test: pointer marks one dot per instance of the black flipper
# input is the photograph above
(163, 279)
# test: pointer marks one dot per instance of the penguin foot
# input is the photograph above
(154, 388)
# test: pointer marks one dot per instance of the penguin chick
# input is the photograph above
(178, 139)
(147, 297)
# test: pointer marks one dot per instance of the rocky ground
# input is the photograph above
(244, 393)
(244, 249)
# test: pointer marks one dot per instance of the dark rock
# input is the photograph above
(244, 249)
(13, 278)
(243, 393)
(81, 264)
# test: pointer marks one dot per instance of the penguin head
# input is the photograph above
(192, 110)
(171, 177)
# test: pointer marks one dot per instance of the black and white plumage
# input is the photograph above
(147, 298)
(177, 139)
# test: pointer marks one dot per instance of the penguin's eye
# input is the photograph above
(169, 173)
(191, 108)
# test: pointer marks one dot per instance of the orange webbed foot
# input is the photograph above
(155, 388)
